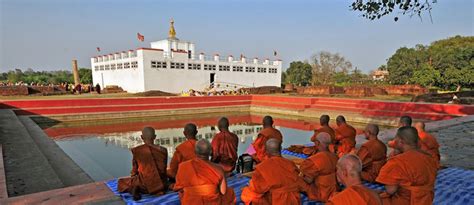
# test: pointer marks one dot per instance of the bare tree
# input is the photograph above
(325, 65)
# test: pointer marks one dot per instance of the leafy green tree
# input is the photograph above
(403, 63)
(426, 75)
(85, 74)
(15, 76)
(299, 73)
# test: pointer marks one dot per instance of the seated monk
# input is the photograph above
(324, 122)
(405, 121)
(267, 133)
(319, 171)
(274, 181)
(200, 181)
(184, 151)
(148, 173)
(409, 177)
(224, 147)
(345, 136)
(372, 153)
(349, 168)
(428, 142)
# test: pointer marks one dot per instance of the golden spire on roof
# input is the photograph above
(172, 32)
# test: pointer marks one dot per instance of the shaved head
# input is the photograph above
(420, 126)
(273, 147)
(148, 133)
(372, 129)
(408, 135)
(267, 121)
(324, 120)
(324, 138)
(405, 121)
(223, 123)
(203, 148)
(190, 130)
(351, 164)
(340, 120)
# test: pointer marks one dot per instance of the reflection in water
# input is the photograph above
(103, 150)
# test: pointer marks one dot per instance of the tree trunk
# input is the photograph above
(458, 88)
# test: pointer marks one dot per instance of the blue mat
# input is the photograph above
(454, 186)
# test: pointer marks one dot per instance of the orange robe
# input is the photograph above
(224, 150)
(198, 182)
(428, 143)
(274, 181)
(184, 152)
(355, 195)
(321, 167)
(325, 129)
(263, 136)
(148, 170)
(414, 171)
(373, 155)
(345, 135)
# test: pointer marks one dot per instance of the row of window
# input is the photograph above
(115, 57)
(125, 65)
(195, 66)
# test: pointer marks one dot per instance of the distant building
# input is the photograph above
(171, 65)
(380, 75)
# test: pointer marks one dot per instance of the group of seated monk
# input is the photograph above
(198, 169)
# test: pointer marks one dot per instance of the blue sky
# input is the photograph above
(48, 34)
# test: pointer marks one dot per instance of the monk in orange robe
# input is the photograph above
(148, 173)
(224, 147)
(405, 121)
(428, 142)
(409, 177)
(345, 136)
(319, 171)
(348, 173)
(372, 153)
(274, 181)
(200, 181)
(267, 133)
(184, 151)
(324, 122)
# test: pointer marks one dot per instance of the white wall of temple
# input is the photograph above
(126, 73)
(147, 69)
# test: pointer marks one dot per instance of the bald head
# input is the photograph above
(273, 147)
(324, 139)
(405, 121)
(420, 126)
(340, 120)
(267, 121)
(223, 123)
(148, 133)
(190, 130)
(351, 164)
(408, 135)
(324, 120)
(372, 129)
(203, 148)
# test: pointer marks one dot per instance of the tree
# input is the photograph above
(15, 76)
(426, 75)
(85, 74)
(376, 9)
(326, 65)
(299, 73)
(405, 60)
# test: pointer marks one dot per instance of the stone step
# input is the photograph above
(66, 169)
(26, 168)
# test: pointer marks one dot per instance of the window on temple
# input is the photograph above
(209, 67)
(194, 66)
(112, 66)
(238, 68)
(272, 70)
(224, 68)
(250, 69)
(119, 66)
(262, 70)
(134, 64)
(126, 65)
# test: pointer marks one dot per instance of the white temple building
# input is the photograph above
(171, 65)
